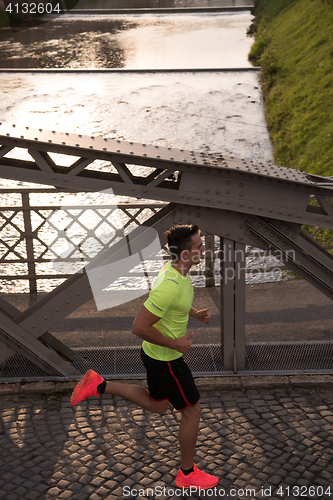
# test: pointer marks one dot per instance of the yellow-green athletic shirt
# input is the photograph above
(171, 299)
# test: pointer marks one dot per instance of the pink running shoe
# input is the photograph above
(197, 478)
(87, 387)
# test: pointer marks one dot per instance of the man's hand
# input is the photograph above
(183, 344)
(204, 316)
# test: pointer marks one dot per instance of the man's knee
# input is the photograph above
(192, 412)
(164, 406)
(158, 406)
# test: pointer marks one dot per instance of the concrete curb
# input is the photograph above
(227, 383)
(159, 10)
(129, 70)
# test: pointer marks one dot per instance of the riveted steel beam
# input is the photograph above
(61, 356)
(257, 195)
(143, 154)
(78, 145)
(204, 180)
(223, 223)
(324, 205)
(169, 191)
(298, 252)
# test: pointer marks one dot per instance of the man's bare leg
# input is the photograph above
(137, 395)
(189, 425)
(188, 435)
(189, 475)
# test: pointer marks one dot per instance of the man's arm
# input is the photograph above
(202, 315)
(143, 328)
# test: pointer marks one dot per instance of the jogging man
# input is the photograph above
(161, 324)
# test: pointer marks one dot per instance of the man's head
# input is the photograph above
(183, 241)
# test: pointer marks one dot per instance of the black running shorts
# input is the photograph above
(170, 380)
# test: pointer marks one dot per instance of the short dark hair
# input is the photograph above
(179, 238)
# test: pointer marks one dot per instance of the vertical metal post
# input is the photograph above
(29, 241)
(233, 304)
(227, 302)
(239, 306)
(209, 260)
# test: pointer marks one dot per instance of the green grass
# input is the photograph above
(294, 46)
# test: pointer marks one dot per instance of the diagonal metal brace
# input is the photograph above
(298, 252)
(76, 290)
(49, 340)
(18, 339)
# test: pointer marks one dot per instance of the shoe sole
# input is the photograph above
(79, 386)
(180, 485)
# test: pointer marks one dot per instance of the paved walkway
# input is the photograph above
(265, 437)
(261, 442)
(283, 311)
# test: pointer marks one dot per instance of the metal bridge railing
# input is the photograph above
(42, 244)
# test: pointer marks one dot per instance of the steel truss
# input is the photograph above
(282, 210)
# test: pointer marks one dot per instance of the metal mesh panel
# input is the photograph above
(117, 362)
(18, 367)
(204, 360)
(289, 357)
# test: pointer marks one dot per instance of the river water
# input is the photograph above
(223, 111)
(138, 41)
(217, 111)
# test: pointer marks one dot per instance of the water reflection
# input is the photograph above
(133, 42)
(65, 44)
(158, 4)
(211, 112)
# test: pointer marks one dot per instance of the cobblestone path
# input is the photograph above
(260, 443)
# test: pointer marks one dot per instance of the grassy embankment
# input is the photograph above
(294, 46)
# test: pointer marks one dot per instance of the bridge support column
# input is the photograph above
(210, 274)
(233, 304)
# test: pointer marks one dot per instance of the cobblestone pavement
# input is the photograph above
(261, 444)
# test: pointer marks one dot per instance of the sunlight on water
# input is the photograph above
(152, 41)
(211, 112)
(222, 112)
